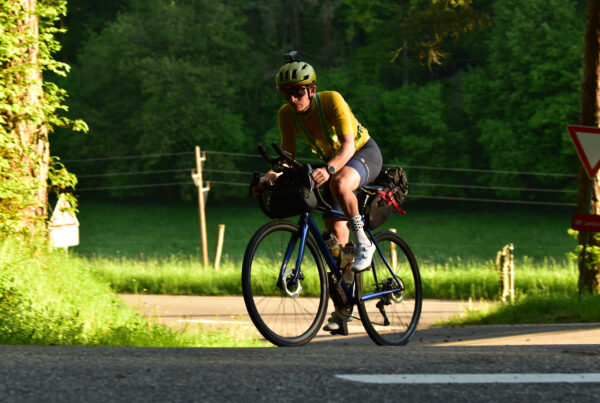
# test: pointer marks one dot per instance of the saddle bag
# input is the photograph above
(384, 196)
(291, 195)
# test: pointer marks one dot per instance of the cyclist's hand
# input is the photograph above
(267, 180)
(320, 175)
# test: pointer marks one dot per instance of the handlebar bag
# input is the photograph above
(291, 195)
(385, 196)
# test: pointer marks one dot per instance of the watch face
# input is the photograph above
(330, 169)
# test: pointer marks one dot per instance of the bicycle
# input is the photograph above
(285, 284)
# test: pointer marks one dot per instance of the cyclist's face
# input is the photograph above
(298, 97)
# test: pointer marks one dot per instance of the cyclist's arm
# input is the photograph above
(288, 143)
(343, 155)
(345, 152)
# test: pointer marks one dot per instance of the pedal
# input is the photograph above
(342, 331)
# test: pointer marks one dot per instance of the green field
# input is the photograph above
(437, 235)
(155, 248)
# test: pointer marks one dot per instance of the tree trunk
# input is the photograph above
(589, 273)
(28, 128)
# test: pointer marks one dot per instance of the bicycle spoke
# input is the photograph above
(391, 318)
(283, 315)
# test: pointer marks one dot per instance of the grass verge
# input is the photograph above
(457, 279)
(535, 309)
(47, 298)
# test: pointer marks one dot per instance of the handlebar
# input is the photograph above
(286, 157)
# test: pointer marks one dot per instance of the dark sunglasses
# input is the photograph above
(297, 92)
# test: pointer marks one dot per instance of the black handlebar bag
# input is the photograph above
(292, 194)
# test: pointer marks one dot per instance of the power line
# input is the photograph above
(150, 185)
(492, 187)
(158, 171)
(493, 200)
(114, 174)
(424, 167)
(129, 157)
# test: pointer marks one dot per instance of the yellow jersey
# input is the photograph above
(329, 116)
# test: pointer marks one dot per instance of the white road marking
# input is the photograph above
(472, 378)
(236, 322)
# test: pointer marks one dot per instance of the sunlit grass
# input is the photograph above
(50, 298)
(457, 279)
(534, 309)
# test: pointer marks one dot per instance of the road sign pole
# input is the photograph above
(589, 208)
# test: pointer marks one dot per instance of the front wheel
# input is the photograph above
(285, 311)
(391, 318)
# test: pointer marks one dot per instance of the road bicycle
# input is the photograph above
(286, 286)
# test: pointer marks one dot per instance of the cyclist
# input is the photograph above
(326, 123)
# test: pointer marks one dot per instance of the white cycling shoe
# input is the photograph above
(364, 255)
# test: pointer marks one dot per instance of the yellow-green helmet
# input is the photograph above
(294, 73)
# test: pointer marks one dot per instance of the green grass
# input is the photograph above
(49, 298)
(535, 309)
(155, 248)
(436, 234)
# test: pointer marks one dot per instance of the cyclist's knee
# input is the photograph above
(342, 185)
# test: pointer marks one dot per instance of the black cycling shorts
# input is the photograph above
(367, 162)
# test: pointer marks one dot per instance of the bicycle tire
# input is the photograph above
(402, 309)
(283, 319)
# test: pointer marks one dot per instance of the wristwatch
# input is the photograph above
(330, 169)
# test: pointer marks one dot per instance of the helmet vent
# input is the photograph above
(294, 74)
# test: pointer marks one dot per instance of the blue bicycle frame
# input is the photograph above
(306, 223)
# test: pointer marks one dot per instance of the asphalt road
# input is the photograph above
(317, 372)
(559, 363)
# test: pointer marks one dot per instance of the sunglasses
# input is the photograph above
(297, 92)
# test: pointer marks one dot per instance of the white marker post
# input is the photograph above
(63, 229)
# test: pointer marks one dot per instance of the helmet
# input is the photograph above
(294, 73)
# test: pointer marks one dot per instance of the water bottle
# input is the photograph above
(333, 245)
(348, 255)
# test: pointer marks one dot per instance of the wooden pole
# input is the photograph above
(199, 160)
(220, 237)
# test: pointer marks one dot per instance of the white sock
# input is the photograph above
(356, 225)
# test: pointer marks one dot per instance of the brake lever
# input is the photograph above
(311, 182)
(285, 155)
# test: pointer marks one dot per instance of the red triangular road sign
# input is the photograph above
(587, 144)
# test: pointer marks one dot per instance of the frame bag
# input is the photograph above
(291, 195)
(385, 196)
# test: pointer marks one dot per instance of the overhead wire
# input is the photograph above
(244, 155)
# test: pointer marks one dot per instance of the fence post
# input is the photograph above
(201, 189)
(220, 237)
(505, 267)
(393, 253)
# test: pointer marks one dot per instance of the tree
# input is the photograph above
(521, 98)
(163, 77)
(28, 112)
(589, 264)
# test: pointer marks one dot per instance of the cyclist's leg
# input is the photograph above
(334, 223)
(364, 165)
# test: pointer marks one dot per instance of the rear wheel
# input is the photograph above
(286, 312)
(391, 319)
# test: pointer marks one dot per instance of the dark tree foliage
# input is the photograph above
(161, 76)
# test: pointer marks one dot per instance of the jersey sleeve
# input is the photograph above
(285, 120)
